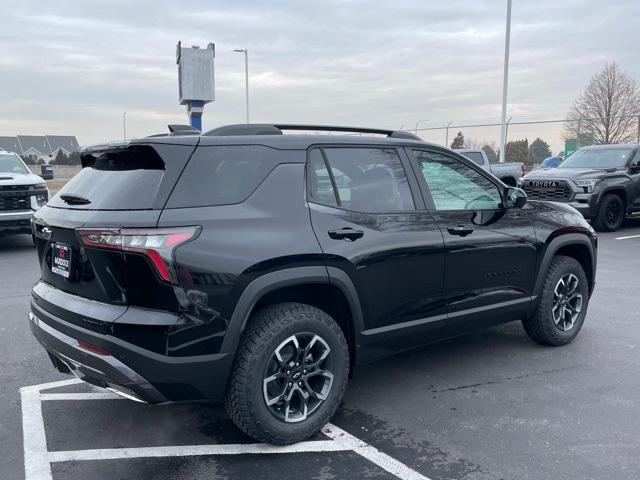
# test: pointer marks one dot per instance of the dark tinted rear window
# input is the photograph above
(124, 179)
(222, 175)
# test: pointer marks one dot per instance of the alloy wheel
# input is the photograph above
(567, 302)
(298, 377)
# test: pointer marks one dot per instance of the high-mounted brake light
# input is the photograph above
(156, 244)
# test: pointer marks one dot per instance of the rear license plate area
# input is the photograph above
(61, 260)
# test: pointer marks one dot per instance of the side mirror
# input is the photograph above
(514, 197)
(635, 167)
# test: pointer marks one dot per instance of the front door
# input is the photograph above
(490, 257)
(634, 172)
(368, 216)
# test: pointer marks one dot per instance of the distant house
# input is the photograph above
(10, 144)
(64, 143)
(35, 147)
(40, 147)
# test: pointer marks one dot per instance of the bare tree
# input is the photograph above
(607, 110)
(472, 143)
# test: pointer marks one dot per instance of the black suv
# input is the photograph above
(255, 267)
(601, 181)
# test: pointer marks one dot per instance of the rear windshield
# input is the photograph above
(475, 157)
(223, 175)
(124, 179)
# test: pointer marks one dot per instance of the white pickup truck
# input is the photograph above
(509, 173)
(21, 194)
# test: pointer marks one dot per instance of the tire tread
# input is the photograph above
(263, 326)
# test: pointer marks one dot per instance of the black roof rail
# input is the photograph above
(276, 129)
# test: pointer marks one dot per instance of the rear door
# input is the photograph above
(370, 226)
(491, 254)
(119, 187)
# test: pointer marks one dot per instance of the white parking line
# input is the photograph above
(36, 462)
(37, 458)
(81, 396)
(627, 237)
(372, 454)
(193, 450)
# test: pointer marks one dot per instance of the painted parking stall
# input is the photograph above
(44, 432)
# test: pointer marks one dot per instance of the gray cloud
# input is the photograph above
(73, 67)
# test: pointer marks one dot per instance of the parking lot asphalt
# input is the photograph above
(489, 405)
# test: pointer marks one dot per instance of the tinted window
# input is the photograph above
(320, 186)
(475, 157)
(222, 175)
(455, 186)
(123, 179)
(369, 179)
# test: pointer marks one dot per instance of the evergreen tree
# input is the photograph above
(539, 150)
(458, 142)
(518, 151)
(491, 154)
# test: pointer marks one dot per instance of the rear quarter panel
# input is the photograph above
(238, 243)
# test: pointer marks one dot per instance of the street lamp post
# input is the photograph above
(246, 76)
(418, 124)
(124, 125)
(505, 81)
(446, 140)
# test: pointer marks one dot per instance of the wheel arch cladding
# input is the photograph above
(309, 285)
(617, 190)
(577, 246)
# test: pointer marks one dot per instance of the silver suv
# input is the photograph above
(21, 193)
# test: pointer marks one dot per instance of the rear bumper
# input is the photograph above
(116, 364)
(15, 222)
(102, 370)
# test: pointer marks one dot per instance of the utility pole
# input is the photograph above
(505, 81)
(246, 77)
(124, 125)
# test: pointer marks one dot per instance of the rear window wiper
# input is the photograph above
(72, 199)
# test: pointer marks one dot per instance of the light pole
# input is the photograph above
(246, 76)
(124, 125)
(418, 124)
(505, 81)
(446, 140)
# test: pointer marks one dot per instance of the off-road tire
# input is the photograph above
(602, 222)
(266, 330)
(540, 326)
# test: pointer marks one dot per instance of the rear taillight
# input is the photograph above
(157, 244)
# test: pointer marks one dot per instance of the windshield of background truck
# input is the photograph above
(598, 158)
(11, 164)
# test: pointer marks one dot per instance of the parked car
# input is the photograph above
(260, 268)
(21, 193)
(551, 162)
(507, 172)
(600, 181)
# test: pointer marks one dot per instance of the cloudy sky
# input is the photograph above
(73, 67)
